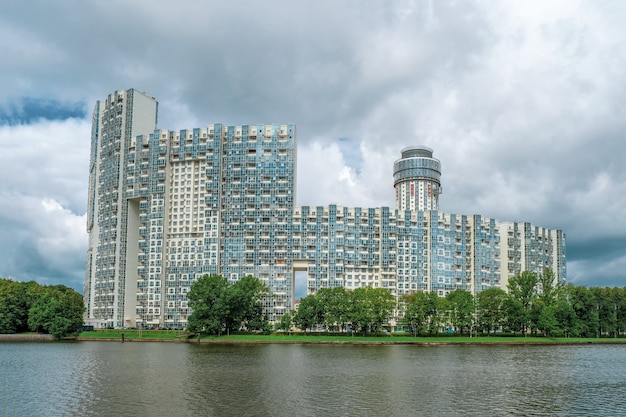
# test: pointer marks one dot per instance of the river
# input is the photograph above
(179, 379)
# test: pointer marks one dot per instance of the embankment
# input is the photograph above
(26, 337)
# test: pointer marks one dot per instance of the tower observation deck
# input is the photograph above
(417, 179)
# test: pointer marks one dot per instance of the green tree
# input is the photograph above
(382, 306)
(546, 320)
(309, 313)
(208, 298)
(544, 304)
(435, 305)
(334, 305)
(620, 309)
(16, 299)
(59, 312)
(13, 307)
(492, 309)
(462, 307)
(245, 300)
(523, 289)
(549, 288)
(422, 312)
(370, 308)
(567, 322)
(285, 323)
(219, 306)
(516, 317)
(607, 312)
(416, 315)
(534, 314)
(42, 312)
(586, 309)
(73, 309)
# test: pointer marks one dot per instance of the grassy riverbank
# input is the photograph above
(299, 338)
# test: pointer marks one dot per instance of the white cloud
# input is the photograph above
(63, 232)
(48, 159)
(323, 176)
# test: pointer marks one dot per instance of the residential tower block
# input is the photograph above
(166, 207)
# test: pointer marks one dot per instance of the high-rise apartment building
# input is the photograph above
(166, 207)
(111, 262)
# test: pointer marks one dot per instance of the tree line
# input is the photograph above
(533, 304)
(364, 309)
(28, 306)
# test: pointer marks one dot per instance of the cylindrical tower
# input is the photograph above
(417, 179)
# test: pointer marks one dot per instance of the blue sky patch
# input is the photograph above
(32, 109)
(351, 150)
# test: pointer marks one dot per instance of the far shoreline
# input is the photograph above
(356, 340)
(132, 336)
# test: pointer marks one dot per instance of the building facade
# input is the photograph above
(166, 207)
(116, 120)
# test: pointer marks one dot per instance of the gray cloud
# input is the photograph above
(523, 104)
(42, 201)
(41, 241)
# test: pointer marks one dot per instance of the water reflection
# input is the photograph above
(167, 379)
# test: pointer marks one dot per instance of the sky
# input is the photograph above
(522, 102)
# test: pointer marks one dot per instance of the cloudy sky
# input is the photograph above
(524, 103)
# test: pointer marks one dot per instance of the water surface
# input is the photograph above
(178, 379)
